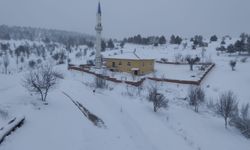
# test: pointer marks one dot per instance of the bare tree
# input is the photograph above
(41, 81)
(196, 96)
(233, 63)
(158, 99)
(227, 106)
(192, 61)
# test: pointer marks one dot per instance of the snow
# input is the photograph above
(178, 72)
(130, 121)
(128, 55)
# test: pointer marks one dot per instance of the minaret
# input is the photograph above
(98, 28)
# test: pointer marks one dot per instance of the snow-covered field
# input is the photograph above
(130, 121)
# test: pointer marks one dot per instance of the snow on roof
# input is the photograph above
(135, 69)
(129, 55)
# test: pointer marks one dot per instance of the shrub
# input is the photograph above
(32, 64)
(233, 63)
(158, 99)
(196, 96)
(227, 106)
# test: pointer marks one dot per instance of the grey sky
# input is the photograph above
(128, 17)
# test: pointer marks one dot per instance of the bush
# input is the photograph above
(233, 63)
(213, 38)
(39, 61)
(227, 106)
(243, 60)
(242, 121)
(192, 61)
(196, 96)
(32, 64)
(78, 55)
(100, 83)
(158, 99)
(178, 58)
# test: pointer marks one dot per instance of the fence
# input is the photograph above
(198, 82)
(72, 67)
(139, 83)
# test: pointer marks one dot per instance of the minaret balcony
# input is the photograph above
(98, 28)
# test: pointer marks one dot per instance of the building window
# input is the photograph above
(120, 63)
(129, 63)
(143, 64)
(113, 64)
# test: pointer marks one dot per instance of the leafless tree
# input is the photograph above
(158, 99)
(196, 96)
(41, 81)
(233, 63)
(192, 61)
(227, 106)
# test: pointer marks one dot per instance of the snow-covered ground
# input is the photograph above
(130, 121)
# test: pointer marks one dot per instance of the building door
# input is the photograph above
(136, 72)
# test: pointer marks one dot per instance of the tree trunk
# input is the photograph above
(196, 108)
(42, 97)
(226, 123)
(45, 95)
(5, 70)
(191, 67)
(155, 110)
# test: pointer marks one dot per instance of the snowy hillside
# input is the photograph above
(130, 122)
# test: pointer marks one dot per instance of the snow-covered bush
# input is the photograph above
(178, 58)
(196, 96)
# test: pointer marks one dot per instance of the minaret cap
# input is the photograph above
(99, 9)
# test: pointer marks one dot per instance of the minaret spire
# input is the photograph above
(98, 28)
(99, 8)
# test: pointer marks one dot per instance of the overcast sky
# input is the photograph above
(122, 18)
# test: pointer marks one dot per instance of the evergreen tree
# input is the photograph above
(111, 44)
(90, 44)
(103, 46)
(239, 46)
(248, 45)
(162, 40)
(172, 39)
(213, 38)
(178, 40)
(122, 44)
(230, 49)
